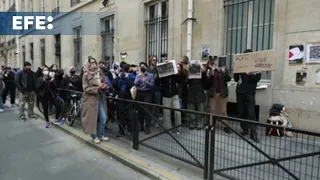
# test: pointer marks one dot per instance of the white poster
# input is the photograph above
(205, 52)
(313, 53)
(167, 68)
(195, 70)
(318, 77)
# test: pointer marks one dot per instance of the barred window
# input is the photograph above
(24, 53)
(249, 25)
(157, 30)
(57, 46)
(31, 52)
(77, 40)
(43, 51)
(107, 34)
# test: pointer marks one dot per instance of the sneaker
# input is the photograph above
(23, 118)
(1, 110)
(12, 105)
(58, 122)
(48, 124)
(178, 132)
(96, 140)
(103, 138)
(33, 117)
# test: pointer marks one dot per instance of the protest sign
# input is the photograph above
(195, 69)
(255, 62)
(167, 68)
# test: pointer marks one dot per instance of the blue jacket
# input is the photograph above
(109, 83)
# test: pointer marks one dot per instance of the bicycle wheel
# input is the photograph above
(71, 117)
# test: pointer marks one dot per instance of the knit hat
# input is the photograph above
(27, 63)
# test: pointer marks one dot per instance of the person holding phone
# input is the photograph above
(94, 109)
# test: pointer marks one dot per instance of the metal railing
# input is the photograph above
(219, 153)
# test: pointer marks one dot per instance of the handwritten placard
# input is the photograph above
(255, 61)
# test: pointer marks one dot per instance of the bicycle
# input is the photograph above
(75, 109)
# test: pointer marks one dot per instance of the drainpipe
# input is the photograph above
(189, 28)
(17, 52)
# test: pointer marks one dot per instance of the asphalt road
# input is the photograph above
(28, 151)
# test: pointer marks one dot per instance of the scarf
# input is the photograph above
(94, 72)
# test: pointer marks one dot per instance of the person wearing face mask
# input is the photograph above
(46, 89)
(144, 83)
(10, 86)
(122, 86)
(94, 110)
(114, 71)
(26, 84)
(133, 72)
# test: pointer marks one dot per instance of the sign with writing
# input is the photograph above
(255, 62)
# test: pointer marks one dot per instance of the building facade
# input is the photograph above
(170, 29)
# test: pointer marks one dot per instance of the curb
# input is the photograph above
(136, 164)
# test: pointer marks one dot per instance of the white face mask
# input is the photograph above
(46, 73)
(51, 74)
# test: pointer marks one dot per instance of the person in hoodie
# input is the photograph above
(218, 89)
(114, 71)
(122, 86)
(170, 98)
(9, 80)
(196, 99)
(47, 93)
(246, 99)
(144, 83)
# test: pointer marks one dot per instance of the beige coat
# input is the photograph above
(91, 95)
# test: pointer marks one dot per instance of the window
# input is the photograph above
(24, 53)
(249, 25)
(31, 52)
(75, 2)
(58, 49)
(56, 10)
(77, 40)
(31, 5)
(43, 51)
(107, 33)
(42, 6)
(23, 8)
(157, 30)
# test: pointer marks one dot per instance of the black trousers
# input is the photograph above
(46, 101)
(9, 89)
(125, 115)
(144, 96)
(246, 109)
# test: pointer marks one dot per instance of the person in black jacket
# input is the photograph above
(26, 84)
(122, 85)
(46, 88)
(196, 99)
(8, 79)
(170, 98)
(246, 99)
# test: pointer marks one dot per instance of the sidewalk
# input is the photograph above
(145, 161)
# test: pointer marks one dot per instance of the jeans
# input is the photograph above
(1, 103)
(102, 119)
(172, 102)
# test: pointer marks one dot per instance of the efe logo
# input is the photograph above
(23, 22)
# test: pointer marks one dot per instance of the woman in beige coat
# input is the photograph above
(94, 108)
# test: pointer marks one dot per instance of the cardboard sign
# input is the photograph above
(255, 62)
(167, 68)
(195, 70)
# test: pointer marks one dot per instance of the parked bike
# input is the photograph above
(74, 112)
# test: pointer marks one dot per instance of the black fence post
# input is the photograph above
(212, 145)
(206, 151)
(135, 129)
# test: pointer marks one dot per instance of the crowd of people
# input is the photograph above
(50, 86)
